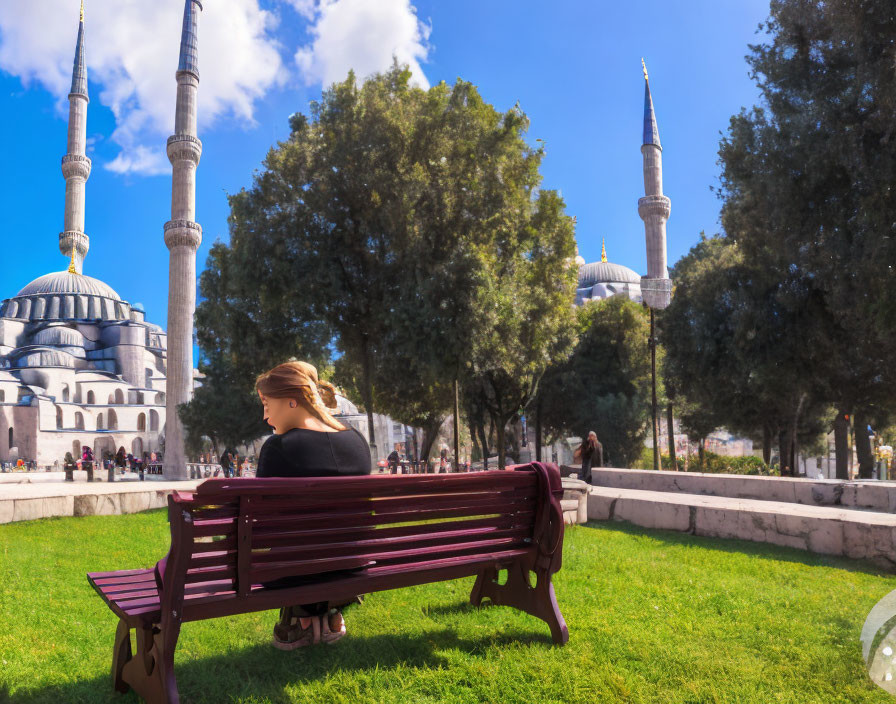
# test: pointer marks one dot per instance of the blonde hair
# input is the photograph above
(299, 381)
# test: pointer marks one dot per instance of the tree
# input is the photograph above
(243, 329)
(806, 188)
(605, 385)
(526, 317)
(736, 338)
(387, 221)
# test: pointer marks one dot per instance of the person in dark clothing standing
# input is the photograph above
(227, 462)
(394, 459)
(307, 442)
(591, 454)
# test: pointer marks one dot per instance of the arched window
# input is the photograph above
(76, 449)
(153, 420)
(113, 420)
(79, 420)
(65, 395)
(119, 397)
(111, 399)
(141, 422)
(2, 396)
(91, 399)
(58, 418)
(11, 438)
(99, 422)
(139, 398)
(149, 378)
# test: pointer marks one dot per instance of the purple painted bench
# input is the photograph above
(347, 536)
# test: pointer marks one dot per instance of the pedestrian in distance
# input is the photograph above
(591, 454)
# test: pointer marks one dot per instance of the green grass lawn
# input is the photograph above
(653, 616)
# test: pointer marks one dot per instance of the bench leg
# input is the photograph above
(151, 671)
(518, 592)
(121, 654)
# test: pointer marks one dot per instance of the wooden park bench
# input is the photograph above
(346, 536)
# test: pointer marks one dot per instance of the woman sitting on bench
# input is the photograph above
(307, 442)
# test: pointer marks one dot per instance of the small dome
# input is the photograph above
(606, 272)
(58, 335)
(62, 282)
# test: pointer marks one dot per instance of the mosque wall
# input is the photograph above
(23, 420)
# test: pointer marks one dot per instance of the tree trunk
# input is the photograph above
(784, 450)
(502, 444)
(766, 444)
(701, 452)
(841, 443)
(430, 433)
(670, 426)
(456, 426)
(863, 445)
(474, 440)
(538, 432)
(367, 392)
(483, 442)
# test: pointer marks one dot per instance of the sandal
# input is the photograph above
(327, 633)
(295, 636)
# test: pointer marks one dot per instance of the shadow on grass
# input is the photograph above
(262, 673)
(766, 551)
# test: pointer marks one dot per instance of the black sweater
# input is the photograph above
(311, 453)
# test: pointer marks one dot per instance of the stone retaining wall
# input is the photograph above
(874, 495)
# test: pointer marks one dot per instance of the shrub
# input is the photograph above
(713, 464)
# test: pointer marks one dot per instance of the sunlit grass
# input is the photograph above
(653, 617)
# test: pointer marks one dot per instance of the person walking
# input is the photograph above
(591, 454)
(444, 464)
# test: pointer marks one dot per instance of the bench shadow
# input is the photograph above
(263, 673)
(766, 551)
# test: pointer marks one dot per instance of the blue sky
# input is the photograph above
(574, 67)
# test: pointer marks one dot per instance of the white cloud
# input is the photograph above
(362, 35)
(132, 52)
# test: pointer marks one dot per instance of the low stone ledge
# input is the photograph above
(825, 530)
(575, 501)
(871, 495)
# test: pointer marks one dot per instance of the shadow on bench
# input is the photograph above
(345, 536)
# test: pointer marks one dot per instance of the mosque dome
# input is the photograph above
(57, 335)
(606, 272)
(66, 296)
(603, 279)
(62, 282)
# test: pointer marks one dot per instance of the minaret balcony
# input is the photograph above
(183, 233)
(654, 206)
(72, 239)
(184, 147)
(76, 165)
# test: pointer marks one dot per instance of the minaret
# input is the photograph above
(654, 209)
(73, 243)
(182, 237)
(603, 250)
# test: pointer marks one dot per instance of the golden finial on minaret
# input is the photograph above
(82, 10)
(71, 266)
(603, 250)
(644, 66)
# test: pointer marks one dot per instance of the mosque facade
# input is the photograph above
(78, 364)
